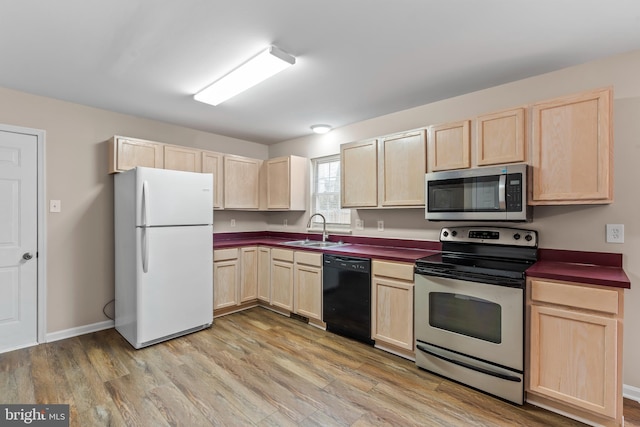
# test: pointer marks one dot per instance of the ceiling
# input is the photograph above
(356, 59)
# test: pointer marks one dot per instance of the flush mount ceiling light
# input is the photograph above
(265, 64)
(321, 128)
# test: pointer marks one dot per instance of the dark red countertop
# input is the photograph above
(595, 268)
(388, 249)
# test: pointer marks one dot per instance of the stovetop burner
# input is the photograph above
(488, 255)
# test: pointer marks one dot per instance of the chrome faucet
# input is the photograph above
(324, 225)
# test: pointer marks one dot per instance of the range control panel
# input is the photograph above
(490, 235)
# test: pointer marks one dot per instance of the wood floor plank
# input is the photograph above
(253, 368)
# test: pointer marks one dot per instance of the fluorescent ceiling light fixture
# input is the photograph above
(262, 66)
(321, 128)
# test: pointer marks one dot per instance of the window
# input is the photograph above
(325, 198)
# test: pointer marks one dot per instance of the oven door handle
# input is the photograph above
(469, 366)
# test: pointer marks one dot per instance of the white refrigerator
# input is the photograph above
(163, 254)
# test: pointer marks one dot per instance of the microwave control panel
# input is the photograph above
(513, 192)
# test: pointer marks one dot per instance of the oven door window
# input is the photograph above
(469, 316)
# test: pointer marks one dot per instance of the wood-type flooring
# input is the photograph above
(251, 368)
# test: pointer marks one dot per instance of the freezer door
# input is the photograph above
(167, 197)
(175, 293)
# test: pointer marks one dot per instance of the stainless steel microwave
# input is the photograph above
(479, 194)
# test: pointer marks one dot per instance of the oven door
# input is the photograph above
(475, 319)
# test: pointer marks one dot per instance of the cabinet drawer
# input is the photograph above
(309, 258)
(282, 254)
(225, 254)
(397, 270)
(588, 298)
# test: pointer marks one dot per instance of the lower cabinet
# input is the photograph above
(392, 306)
(264, 274)
(282, 278)
(307, 281)
(225, 279)
(248, 274)
(575, 349)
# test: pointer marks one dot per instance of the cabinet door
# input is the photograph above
(248, 274)
(212, 163)
(182, 159)
(279, 183)
(501, 137)
(449, 146)
(264, 274)
(359, 174)
(225, 284)
(403, 163)
(392, 309)
(308, 285)
(572, 150)
(127, 153)
(573, 358)
(241, 182)
(282, 284)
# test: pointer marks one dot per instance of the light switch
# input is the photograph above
(55, 206)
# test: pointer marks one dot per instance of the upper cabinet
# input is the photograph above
(287, 183)
(572, 150)
(501, 137)
(450, 146)
(182, 158)
(127, 153)
(359, 174)
(212, 163)
(403, 163)
(241, 183)
(384, 173)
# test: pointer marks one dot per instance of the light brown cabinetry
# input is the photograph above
(392, 306)
(501, 137)
(127, 153)
(241, 183)
(403, 163)
(182, 158)
(226, 270)
(248, 274)
(575, 349)
(308, 285)
(359, 174)
(282, 278)
(287, 182)
(449, 146)
(264, 274)
(572, 149)
(212, 163)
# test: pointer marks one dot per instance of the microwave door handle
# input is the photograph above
(502, 183)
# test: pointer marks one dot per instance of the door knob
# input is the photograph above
(27, 256)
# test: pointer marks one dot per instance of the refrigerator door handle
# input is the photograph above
(144, 247)
(145, 202)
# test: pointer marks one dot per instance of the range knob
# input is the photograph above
(454, 233)
(528, 237)
(516, 236)
(445, 233)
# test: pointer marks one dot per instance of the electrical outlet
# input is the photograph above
(55, 206)
(285, 223)
(615, 233)
(359, 224)
(233, 222)
(380, 225)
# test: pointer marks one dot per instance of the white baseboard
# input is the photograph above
(81, 330)
(631, 392)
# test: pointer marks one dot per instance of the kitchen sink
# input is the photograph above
(315, 244)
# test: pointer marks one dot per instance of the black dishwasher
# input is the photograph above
(346, 292)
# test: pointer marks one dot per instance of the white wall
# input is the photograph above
(560, 227)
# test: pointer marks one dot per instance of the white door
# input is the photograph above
(18, 240)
